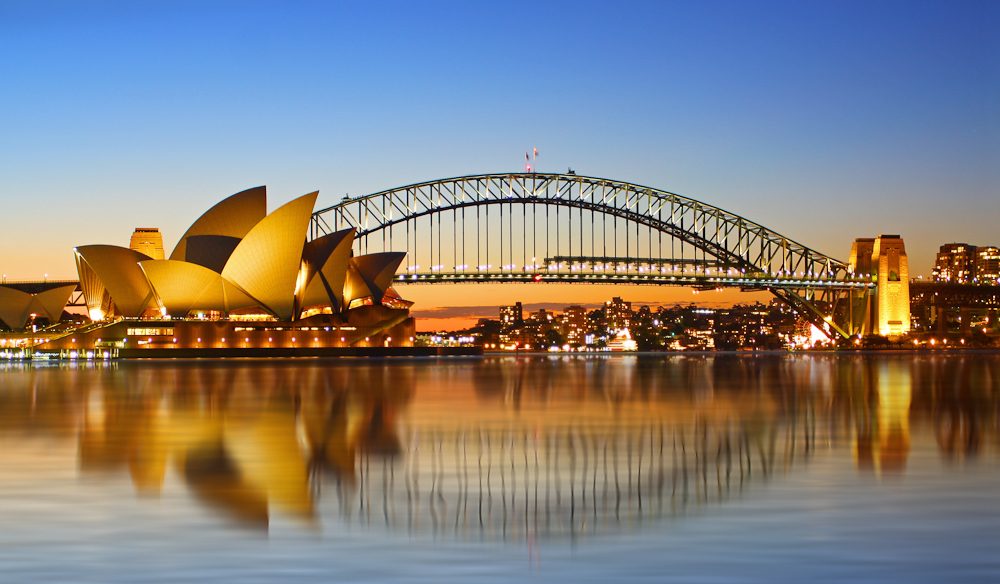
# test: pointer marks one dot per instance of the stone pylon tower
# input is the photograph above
(893, 271)
(887, 310)
(148, 241)
(864, 305)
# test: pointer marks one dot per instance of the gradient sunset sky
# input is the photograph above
(822, 120)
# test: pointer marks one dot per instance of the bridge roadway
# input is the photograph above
(702, 281)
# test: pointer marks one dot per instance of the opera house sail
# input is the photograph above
(242, 278)
(18, 304)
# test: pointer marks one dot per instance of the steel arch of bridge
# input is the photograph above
(734, 251)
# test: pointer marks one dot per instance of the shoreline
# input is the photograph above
(986, 350)
(218, 354)
(263, 354)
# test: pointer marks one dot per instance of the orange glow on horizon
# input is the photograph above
(458, 306)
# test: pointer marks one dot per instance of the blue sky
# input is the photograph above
(822, 120)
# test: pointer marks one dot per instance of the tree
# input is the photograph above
(553, 338)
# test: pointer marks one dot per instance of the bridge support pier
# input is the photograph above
(883, 259)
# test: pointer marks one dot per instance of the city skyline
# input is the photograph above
(891, 132)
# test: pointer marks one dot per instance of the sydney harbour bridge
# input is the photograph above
(567, 228)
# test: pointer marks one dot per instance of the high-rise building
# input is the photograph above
(147, 241)
(619, 313)
(987, 264)
(511, 316)
(573, 324)
(956, 263)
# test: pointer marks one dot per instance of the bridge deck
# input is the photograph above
(695, 280)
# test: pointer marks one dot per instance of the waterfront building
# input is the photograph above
(511, 316)
(23, 302)
(573, 324)
(511, 325)
(235, 261)
(147, 241)
(955, 263)
(619, 314)
(248, 274)
(987, 264)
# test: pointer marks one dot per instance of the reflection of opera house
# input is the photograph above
(240, 279)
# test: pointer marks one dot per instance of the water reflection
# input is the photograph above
(498, 448)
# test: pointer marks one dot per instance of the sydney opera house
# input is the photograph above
(22, 302)
(240, 278)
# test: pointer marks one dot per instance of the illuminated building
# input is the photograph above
(242, 262)
(511, 316)
(147, 241)
(619, 314)
(20, 303)
(511, 322)
(237, 264)
(956, 263)
(573, 324)
(112, 281)
(988, 265)
(961, 263)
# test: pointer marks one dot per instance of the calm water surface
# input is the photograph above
(635, 469)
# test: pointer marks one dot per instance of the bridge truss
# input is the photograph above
(535, 227)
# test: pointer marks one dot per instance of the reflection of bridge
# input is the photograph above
(570, 481)
(534, 227)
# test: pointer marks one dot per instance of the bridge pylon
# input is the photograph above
(885, 309)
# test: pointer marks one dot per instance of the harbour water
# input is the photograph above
(688, 468)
